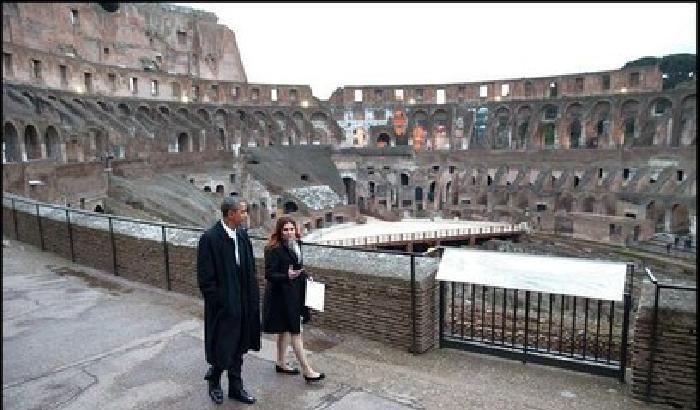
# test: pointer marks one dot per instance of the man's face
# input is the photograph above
(237, 217)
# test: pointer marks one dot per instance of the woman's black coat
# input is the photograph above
(284, 298)
(231, 296)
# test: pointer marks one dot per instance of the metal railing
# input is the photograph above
(163, 238)
(538, 327)
(655, 316)
(431, 234)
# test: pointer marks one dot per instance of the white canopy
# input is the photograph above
(568, 276)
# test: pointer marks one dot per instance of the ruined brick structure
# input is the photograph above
(606, 156)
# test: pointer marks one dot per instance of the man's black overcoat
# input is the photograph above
(283, 304)
(231, 296)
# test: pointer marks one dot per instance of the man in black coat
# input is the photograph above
(227, 279)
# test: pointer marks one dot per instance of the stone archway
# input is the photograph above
(350, 186)
(31, 143)
(10, 144)
(52, 143)
(680, 222)
(183, 142)
(290, 207)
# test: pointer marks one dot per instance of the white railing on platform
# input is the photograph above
(412, 236)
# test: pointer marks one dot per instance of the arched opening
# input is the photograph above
(220, 189)
(563, 203)
(588, 204)
(419, 133)
(522, 135)
(629, 129)
(431, 192)
(575, 134)
(290, 207)
(610, 205)
(52, 143)
(10, 144)
(183, 142)
(144, 110)
(31, 143)
(448, 190)
(419, 194)
(203, 114)
(104, 106)
(548, 134)
(655, 213)
(502, 139)
(680, 223)
(439, 139)
(688, 126)
(383, 140)
(350, 189)
(319, 121)
(123, 109)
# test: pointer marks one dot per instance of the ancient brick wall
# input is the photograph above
(674, 372)
(376, 307)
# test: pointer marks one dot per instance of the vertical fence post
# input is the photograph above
(527, 322)
(652, 347)
(631, 266)
(625, 331)
(165, 253)
(70, 236)
(414, 348)
(14, 218)
(41, 231)
(442, 313)
(114, 247)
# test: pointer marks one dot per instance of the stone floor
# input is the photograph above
(78, 338)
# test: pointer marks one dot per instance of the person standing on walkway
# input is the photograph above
(283, 304)
(227, 280)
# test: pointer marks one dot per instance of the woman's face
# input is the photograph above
(288, 231)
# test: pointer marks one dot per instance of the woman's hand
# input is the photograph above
(293, 274)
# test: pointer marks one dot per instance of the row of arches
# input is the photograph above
(635, 121)
(30, 145)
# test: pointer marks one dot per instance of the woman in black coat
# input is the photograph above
(283, 308)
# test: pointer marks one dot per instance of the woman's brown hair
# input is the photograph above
(276, 236)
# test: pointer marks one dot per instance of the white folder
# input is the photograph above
(314, 295)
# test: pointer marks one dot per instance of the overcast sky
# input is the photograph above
(331, 45)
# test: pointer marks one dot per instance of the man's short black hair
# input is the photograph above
(230, 203)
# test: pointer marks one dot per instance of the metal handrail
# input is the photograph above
(164, 226)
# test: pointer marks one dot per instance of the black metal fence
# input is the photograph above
(31, 206)
(658, 287)
(573, 332)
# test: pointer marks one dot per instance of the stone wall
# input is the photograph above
(376, 306)
(674, 372)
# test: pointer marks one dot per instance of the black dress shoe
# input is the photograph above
(241, 395)
(280, 369)
(308, 379)
(216, 393)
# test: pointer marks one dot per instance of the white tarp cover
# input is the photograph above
(568, 276)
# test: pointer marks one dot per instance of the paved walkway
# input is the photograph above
(78, 338)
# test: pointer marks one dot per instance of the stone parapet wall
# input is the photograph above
(375, 303)
(674, 372)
